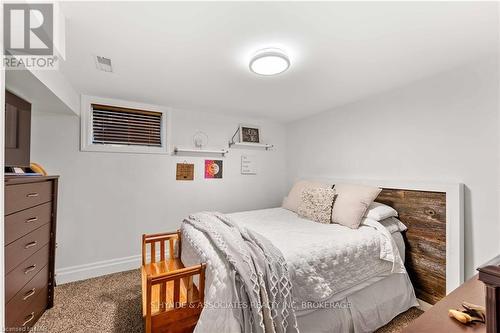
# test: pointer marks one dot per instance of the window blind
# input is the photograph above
(124, 126)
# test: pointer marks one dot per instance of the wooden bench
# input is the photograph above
(171, 302)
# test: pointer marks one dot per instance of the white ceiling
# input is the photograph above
(195, 55)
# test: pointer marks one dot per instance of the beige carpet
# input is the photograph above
(112, 303)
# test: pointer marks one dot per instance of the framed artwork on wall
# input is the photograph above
(213, 169)
(184, 171)
(249, 133)
(248, 165)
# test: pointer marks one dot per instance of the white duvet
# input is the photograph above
(323, 259)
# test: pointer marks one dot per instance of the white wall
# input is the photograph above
(57, 83)
(444, 128)
(107, 200)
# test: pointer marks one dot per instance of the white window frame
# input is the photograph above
(86, 126)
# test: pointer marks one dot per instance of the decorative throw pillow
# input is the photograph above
(316, 204)
(292, 201)
(379, 211)
(351, 203)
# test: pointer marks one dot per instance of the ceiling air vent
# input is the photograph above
(103, 64)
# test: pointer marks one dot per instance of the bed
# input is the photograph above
(343, 280)
(337, 279)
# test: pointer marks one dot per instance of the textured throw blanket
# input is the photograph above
(261, 278)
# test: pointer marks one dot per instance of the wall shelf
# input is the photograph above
(238, 144)
(179, 150)
(250, 145)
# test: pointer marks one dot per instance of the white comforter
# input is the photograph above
(323, 259)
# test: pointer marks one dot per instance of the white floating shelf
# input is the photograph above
(250, 145)
(178, 150)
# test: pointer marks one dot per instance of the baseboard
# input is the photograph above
(99, 268)
(423, 305)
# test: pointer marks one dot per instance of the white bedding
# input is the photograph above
(324, 260)
(371, 307)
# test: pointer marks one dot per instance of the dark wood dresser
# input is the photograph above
(489, 273)
(30, 233)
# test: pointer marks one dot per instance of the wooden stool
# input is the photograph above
(171, 303)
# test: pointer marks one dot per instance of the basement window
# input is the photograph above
(113, 128)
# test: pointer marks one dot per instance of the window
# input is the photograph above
(116, 128)
(120, 126)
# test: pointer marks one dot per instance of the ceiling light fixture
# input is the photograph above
(269, 61)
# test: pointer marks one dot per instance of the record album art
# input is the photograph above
(213, 169)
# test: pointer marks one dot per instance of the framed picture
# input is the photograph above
(213, 169)
(184, 171)
(249, 133)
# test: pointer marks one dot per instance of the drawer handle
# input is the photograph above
(29, 294)
(31, 244)
(32, 195)
(31, 316)
(33, 219)
(29, 269)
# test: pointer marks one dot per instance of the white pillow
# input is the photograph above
(294, 198)
(378, 211)
(393, 225)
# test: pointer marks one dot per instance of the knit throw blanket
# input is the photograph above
(261, 278)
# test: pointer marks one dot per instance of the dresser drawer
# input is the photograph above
(24, 272)
(22, 196)
(28, 317)
(19, 250)
(23, 222)
(21, 301)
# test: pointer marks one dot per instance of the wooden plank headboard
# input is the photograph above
(424, 213)
(434, 213)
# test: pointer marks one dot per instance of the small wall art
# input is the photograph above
(185, 171)
(213, 169)
(249, 133)
(248, 165)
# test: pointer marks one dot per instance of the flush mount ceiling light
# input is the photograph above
(269, 61)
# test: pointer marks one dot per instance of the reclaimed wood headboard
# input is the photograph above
(424, 213)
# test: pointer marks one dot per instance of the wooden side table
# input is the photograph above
(436, 319)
